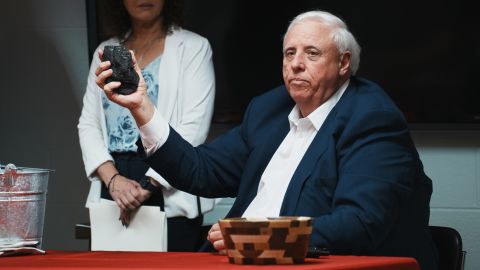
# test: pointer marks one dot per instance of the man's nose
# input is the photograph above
(298, 62)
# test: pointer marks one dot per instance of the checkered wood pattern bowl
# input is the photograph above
(279, 240)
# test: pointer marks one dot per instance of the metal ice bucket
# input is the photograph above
(23, 193)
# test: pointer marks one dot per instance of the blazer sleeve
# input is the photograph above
(376, 173)
(197, 90)
(210, 170)
(196, 93)
(90, 132)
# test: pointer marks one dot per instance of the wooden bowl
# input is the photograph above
(279, 240)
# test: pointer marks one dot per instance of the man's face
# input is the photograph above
(312, 66)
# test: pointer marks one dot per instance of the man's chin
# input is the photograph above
(299, 91)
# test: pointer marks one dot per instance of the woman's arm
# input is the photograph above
(90, 132)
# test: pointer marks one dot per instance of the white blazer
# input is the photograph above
(186, 96)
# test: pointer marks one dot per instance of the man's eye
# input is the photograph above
(289, 54)
(313, 54)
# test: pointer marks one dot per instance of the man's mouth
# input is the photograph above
(298, 81)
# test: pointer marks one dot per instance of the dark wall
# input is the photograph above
(424, 53)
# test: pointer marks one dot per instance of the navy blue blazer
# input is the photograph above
(361, 178)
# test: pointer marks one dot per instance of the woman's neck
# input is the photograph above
(146, 30)
(147, 40)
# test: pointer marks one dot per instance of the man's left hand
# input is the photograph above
(215, 237)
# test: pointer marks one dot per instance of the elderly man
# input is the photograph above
(327, 144)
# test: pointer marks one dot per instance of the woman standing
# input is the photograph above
(178, 70)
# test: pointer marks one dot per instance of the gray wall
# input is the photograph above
(452, 160)
(45, 62)
(43, 76)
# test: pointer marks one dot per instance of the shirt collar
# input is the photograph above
(318, 116)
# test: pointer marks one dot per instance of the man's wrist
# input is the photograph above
(147, 184)
(143, 113)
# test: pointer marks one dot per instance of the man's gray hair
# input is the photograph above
(341, 36)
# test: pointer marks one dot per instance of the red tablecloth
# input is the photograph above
(101, 260)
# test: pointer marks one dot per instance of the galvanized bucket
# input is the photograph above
(23, 194)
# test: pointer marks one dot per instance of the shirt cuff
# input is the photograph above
(154, 133)
(158, 178)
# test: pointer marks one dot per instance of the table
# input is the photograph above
(102, 260)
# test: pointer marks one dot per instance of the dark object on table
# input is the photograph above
(122, 67)
(316, 252)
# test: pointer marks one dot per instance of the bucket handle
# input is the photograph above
(10, 174)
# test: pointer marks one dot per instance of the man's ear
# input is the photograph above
(344, 63)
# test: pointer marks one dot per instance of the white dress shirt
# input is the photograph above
(284, 162)
(282, 166)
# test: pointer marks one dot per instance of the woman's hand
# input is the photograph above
(126, 214)
(126, 193)
(215, 237)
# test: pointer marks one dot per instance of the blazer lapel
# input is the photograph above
(303, 171)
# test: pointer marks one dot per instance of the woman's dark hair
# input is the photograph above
(115, 21)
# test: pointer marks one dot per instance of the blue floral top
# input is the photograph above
(121, 128)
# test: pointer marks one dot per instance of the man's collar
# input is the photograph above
(318, 116)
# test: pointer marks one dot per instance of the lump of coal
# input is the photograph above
(122, 67)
